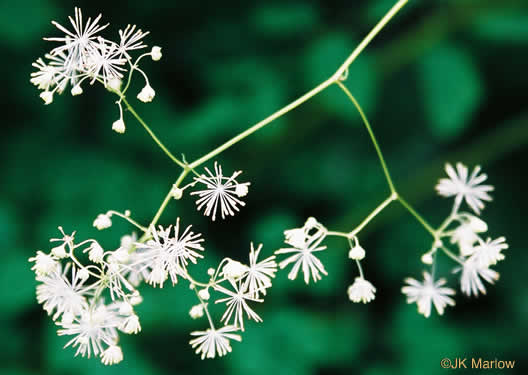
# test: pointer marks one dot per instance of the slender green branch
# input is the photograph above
(418, 217)
(151, 133)
(322, 86)
(451, 255)
(373, 214)
(371, 133)
(261, 124)
(380, 25)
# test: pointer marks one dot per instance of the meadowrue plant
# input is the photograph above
(92, 297)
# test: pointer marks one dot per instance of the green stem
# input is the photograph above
(373, 214)
(418, 217)
(334, 78)
(262, 123)
(451, 255)
(151, 133)
(371, 133)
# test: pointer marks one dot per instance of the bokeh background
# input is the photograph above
(445, 81)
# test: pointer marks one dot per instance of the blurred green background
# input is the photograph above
(445, 81)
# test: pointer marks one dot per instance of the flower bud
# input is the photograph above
(102, 221)
(234, 269)
(47, 96)
(196, 311)
(76, 90)
(204, 294)
(119, 126)
(146, 94)
(156, 53)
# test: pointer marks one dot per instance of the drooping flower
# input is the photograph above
(361, 291)
(430, 291)
(213, 342)
(167, 255)
(259, 274)
(472, 271)
(221, 193)
(62, 293)
(44, 263)
(305, 244)
(461, 185)
(112, 355)
(237, 305)
(92, 328)
(488, 252)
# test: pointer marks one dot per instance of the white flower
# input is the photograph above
(463, 186)
(131, 39)
(146, 94)
(428, 292)
(47, 96)
(356, 252)
(102, 221)
(95, 252)
(105, 62)
(44, 263)
(45, 77)
(234, 269)
(176, 192)
(165, 255)
(237, 305)
(114, 278)
(76, 90)
(489, 253)
(130, 324)
(197, 311)
(57, 293)
(114, 84)
(472, 271)
(361, 291)
(465, 237)
(303, 256)
(204, 294)
(156, 53)
(119, 127)
(83, 274)
(220, 193)
(81, 42)
(214, 342)
(295, 237)
(93, 328)
(112, 355)
(259, 274)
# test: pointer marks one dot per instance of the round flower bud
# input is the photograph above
(196, 311)
(204, 294)
(427, 258)
(241, 190)
(156, 53)
(83, 274)
(478, 225)
(176, 192)
(211, 271)
(47, 96)
(146, 94)
(114, 84)
(119, 126)
(234, 269)
(357, 252)
(102, 221)
(76, 90)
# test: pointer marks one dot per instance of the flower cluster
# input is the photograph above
(92, 302)
(84, 55)
(306, 241)
(464, 230)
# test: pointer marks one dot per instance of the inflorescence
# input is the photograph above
(92, 297)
